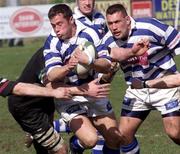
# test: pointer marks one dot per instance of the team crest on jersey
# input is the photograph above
(141, 60)
(133, 60)
(127, 101)
(73, 109)
(172, 104)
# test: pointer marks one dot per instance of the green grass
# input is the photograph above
(151, 135)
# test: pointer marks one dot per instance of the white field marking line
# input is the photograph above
(155, 135)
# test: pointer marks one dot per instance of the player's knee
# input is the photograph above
(90, 141)
(175, 135)
(126, 137)
(49, 139)
(113, 141)
(176, 139)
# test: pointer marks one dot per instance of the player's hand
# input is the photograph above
(81, 56)
(62, 93)
(71, 64)
(96, 90)
(108, 77)
(140, 47)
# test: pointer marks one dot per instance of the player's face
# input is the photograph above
(86, 6)
(119, 25)
(62, 26)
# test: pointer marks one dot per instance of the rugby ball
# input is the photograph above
(90, 50)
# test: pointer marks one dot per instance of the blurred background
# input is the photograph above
(21, 19)
(24, 26)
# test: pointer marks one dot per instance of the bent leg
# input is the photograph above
(171, 124)
(39, 149)
(107, 127)
(84, 130)
(51, 140)
(99, 145)
(130, 121)
(128, 127)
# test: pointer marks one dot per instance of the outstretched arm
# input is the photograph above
(169, 81)
(91, 89)
(8, 87)
(36, 90)
(94, 89)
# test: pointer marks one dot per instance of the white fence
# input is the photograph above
(32, 20)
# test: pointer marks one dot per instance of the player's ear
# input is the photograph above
(128, 20)
(71, 20)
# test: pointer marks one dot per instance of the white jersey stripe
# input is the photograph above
(164, 44)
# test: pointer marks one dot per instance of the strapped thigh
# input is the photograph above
(49, 139)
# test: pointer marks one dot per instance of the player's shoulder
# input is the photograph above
(145, 19)
(98, 14)
(107, 36)
(148, 20)
(86, 29)
(51, 41)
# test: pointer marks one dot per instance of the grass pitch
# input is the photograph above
(151, 135)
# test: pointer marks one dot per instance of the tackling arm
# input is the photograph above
(36, 90)
(91, 89)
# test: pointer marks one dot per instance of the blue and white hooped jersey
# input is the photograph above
(158, 60)
(98, 21)
(57, 52)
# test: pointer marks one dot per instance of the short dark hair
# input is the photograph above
(116, 8)
(60, 8)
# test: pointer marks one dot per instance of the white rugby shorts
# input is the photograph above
(163, 100)
(89, 107)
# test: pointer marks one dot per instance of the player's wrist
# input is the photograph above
(68, 68)
(51, 92)
(82, 90)
(145, 84)
(132, 51)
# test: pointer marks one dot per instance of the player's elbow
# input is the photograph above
(102, 65)
(177, 80)
(51, 77)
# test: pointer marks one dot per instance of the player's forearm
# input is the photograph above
(32, 90)
(74, 90)
(78, 91)
(92, 89)
(170, 81)
(121, 54)
(101, 65)
(58, 73)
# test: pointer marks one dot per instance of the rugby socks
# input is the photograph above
(60, 126)
(107, 150)
(99, 145)
(132, 148)
(75, 145)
